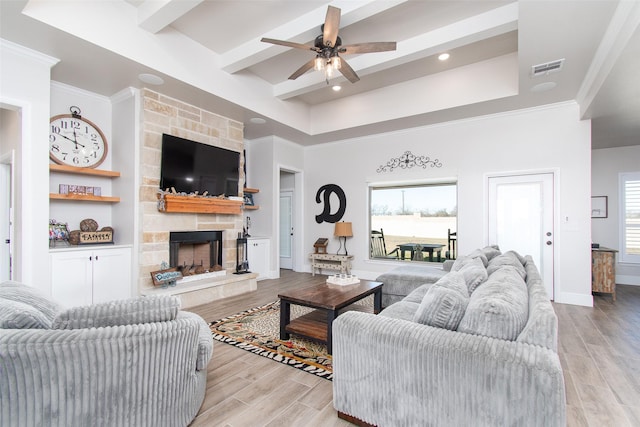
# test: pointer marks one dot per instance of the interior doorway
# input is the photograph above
(521, 218)
(286, 229)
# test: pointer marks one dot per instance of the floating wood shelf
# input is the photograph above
(83, 171)
(250, 207)
(186, 204)
(250, 190)
(84, 197)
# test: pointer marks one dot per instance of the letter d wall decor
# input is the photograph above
(323, 196)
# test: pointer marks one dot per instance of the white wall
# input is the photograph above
(547, 139)
(25, 77)
(265, 158)
(606, 165)
(97, 109)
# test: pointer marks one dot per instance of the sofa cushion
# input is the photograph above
(19, 315)
(400, 310)
(32, 297)
(479, 254)
(506, 259)
(401, 281)
(417, 294)
(474, 273)
(115, 313)
(499, 308)
(444, 303)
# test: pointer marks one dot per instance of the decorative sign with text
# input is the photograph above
(95, 237)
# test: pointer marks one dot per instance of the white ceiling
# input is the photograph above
(209, 54)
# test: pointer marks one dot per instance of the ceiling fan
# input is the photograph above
(328, 46)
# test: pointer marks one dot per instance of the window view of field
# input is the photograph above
(415, 215)
(632, 217)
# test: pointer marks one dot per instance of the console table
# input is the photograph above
(332, 262)
(603, 271)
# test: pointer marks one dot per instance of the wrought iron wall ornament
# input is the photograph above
(409, 160)
(325, 192)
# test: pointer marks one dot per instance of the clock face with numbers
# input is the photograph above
(76, 141)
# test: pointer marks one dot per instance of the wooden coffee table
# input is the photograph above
(328, 300)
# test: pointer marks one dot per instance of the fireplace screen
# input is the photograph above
(195, 252)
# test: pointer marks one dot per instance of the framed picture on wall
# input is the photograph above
(599, 207)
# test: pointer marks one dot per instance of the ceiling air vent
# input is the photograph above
(547, 68)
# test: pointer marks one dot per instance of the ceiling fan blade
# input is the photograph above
(288, 44)
(331, 26)
(348, 72)
(300, 71)
(368, 47)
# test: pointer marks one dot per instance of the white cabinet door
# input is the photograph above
(111, 274)
(71, 282)
(258, 255)
(84, 277)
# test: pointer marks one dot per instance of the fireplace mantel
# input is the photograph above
(193, 204)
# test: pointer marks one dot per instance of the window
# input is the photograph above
(416, 222)
(630, 217)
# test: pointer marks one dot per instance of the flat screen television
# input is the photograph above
(190, 166)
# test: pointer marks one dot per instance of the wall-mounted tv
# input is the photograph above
(190, 166)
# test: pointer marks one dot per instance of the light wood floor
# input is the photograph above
(599, 349)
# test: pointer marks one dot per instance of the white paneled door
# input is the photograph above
(286, 229)
(521, 213)
(5, 222)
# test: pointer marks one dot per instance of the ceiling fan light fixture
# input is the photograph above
(319, 63)
(336, 63)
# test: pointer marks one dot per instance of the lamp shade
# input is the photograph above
(343, 229)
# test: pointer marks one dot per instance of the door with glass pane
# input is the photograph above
(521, 212)
(286, 229)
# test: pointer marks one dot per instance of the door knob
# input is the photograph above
(548, 242)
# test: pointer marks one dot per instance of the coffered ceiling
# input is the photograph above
(209, 54)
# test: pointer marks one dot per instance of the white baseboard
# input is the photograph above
(627, 280)
(574, 299)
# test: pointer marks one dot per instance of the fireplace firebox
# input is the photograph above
(195, 252)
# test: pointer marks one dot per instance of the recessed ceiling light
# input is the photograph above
(257, 120)
(443, 56)
(336, 88)
(542, 87)
(151, 79)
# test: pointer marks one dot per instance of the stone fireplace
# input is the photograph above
(162, 114)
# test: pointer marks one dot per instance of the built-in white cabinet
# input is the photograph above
(83, 276)
(258, 252)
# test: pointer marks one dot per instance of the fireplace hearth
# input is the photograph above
(195, 252)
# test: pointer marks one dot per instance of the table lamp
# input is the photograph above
(343, 230)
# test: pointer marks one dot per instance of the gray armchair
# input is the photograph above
(137, 362)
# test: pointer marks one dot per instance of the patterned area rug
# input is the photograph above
(258, 330)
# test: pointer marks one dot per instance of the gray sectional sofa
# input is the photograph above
(136, 362)
(477, 347)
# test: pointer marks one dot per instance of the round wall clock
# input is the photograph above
(76, 141)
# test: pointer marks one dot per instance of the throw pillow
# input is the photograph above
(116, 313)
(499, 308)
(506, 259)
(474, 273)
(18, 315)
(444, 303)
(32, 297)
(479, 254)
(491, 251)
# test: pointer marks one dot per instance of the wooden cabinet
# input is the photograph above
(83, 276)
(258, 253)
(603, 271)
